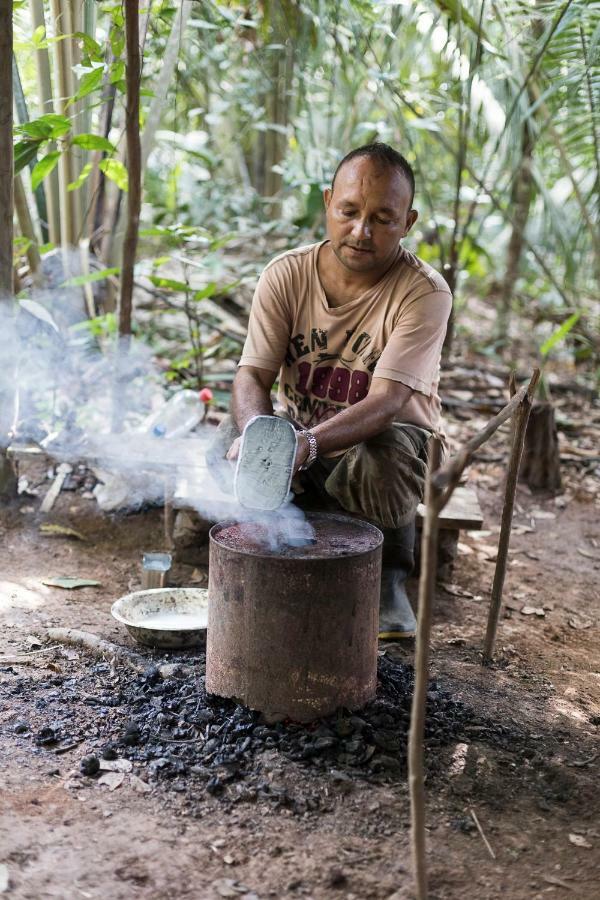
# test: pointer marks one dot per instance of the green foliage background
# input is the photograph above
(496, 105)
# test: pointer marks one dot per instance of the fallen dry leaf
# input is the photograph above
(70, 584)
(139, 785)
(533, 611)
(580, 841)
(552, 879)
(3, 878)
(61, 531)
(580, 623)
(116, 765)
(113, 780)
(589, 554)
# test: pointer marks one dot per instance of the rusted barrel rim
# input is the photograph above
(273, 555)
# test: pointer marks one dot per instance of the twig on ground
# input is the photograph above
(60, 750)
(100, 647)
(26, 658)
(480, 830)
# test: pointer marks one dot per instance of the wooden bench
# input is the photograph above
(462, 512)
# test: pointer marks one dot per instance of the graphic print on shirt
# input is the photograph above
(330, 382)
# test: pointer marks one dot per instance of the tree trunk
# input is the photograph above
(134, 157)
(520, 203)
(540, 467)
(7, 475)
(6, 152)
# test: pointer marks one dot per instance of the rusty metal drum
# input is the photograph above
(292, 630)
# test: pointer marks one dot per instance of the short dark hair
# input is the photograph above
(384, 155)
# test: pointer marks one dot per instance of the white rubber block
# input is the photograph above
(265, 463)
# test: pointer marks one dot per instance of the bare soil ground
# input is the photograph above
(536, 799)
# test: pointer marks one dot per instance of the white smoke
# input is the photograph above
(83, 397)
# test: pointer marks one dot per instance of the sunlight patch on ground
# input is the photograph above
(26, 594)
(564, 708)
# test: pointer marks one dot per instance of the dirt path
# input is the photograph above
(534, 792)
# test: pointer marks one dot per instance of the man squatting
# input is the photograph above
(354, 326)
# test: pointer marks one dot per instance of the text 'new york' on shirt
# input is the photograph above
(327, 356)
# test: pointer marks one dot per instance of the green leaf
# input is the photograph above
(44, 167)
(117, 42)
(207, 291)
(70, 584)
(93, 142)
(455, 9)
(117, 71)
(81, 177)
(91, 47)
(559, 334)
(169, 283)
(24, 152)
(90, 82)
(46, 127)
(38, 37)
(92, 276)
(116, 171)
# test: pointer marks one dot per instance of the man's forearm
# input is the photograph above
(249, 398)
(360, 422)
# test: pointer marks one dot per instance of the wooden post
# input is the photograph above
(518, 438)
(417, 718)
(6, 152)
(7, 474)
(134, 161)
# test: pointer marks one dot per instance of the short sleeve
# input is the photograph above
(270, 327)
(412, 353)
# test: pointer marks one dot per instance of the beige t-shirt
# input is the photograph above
(327, 356)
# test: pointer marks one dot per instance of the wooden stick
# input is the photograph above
(27, 658)
(102, 648)
(417, 719)
(450, 473)
(518, 440)
(480, 830)
(55, 488)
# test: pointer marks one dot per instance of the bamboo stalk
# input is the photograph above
(169, 61)
(27, 229)
(22, 115)
(46, 105)
(134, 157)
(417, 718)
(64, 81)
(79, 111)
(518, 440)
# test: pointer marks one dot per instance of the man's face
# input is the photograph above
(368, 213)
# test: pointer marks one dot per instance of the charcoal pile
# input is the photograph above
(181, 736)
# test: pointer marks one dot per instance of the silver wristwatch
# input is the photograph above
(313, 449)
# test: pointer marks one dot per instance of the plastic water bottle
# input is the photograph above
(177, 417)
